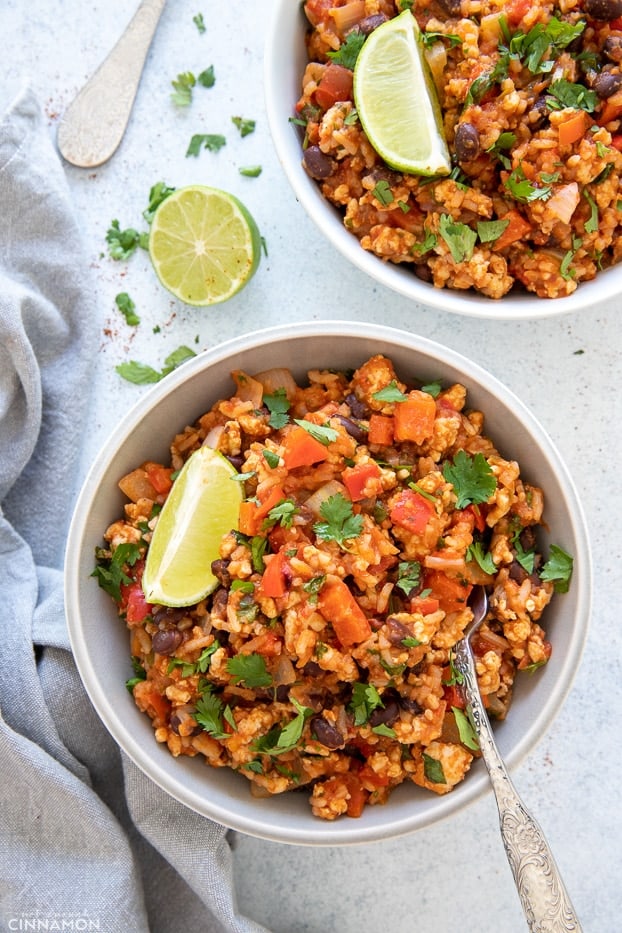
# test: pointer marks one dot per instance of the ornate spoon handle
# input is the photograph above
(544, 899)
(94, 123)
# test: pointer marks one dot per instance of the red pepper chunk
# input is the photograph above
(411, 511)
(359, 480)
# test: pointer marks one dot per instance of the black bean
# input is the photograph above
(317, 163)
(612, 48)
(603, 9)
(358, 409)
(466, 142)
(219, 569)
(385, 715)
(326, 733)
(166, 641)
(605, 84)
(397, 631)
(370, 23)
(353, 429)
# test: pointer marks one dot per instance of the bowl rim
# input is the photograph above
(327, 219)
(352, 831)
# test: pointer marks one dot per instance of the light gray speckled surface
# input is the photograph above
(454, 875)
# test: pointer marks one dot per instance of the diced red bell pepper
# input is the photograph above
(411, 511)
(359, 479)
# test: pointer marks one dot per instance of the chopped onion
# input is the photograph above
(274, 379)
(316, 499)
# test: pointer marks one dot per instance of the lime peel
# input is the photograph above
(204, 245)
(201, 508)
(396, 99)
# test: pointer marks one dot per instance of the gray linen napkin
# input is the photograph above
(86, 840)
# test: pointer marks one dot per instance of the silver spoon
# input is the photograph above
(94, 123)
(544, 899)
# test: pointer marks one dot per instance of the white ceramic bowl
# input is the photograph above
(284, 63)
(100, 640)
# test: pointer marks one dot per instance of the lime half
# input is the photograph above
(204, 245)
(396, 99)
(202, 506)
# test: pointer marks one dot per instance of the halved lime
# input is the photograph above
(396, 99)
(204, 245)
(201, 508)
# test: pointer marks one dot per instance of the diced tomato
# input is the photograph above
(451, 592)
(359, 480)
(252, 514)
(273, 582)
(414, 417)
(300, 449)
(371, 780)
(339, 607)
(335, 85)
(411, 511)
(137, 608)
(159, 477)
(381, 430)
(424, 604)
(453, 694)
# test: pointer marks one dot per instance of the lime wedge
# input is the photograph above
(204, 245)
(202, 506)
(396, 99)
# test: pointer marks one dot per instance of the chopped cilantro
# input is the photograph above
(245, 126)
(249, 669)
(320, 432)
(382, 192)
(558, 569)
(471, 477)
(212, 141)
(365, 699)
(142, 374)
(127, 308)
(207, 78)
(489, 230)
(433, 770)
(468, 735)
(110, 573)
(182, 88)
(459, 238)
(408, 575)
(278, 405)
(390, 393)
(340, 522)
(349, 50)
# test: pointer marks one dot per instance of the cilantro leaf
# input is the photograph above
(278, 405)
(340, 523)
(207, 77)
(348, 53)
(558, 568)
(127, 308)
(209, 714)
(468, 735)
(109, 571)
(122, 243)
(433, 770)
(182, 85)
(483, 558)
(459, 238)
(408, 575)
(365, 699)
(212, 141)
(246, 127)
(320, 432)
(471, 477)
(390, 393)
(249, 669)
